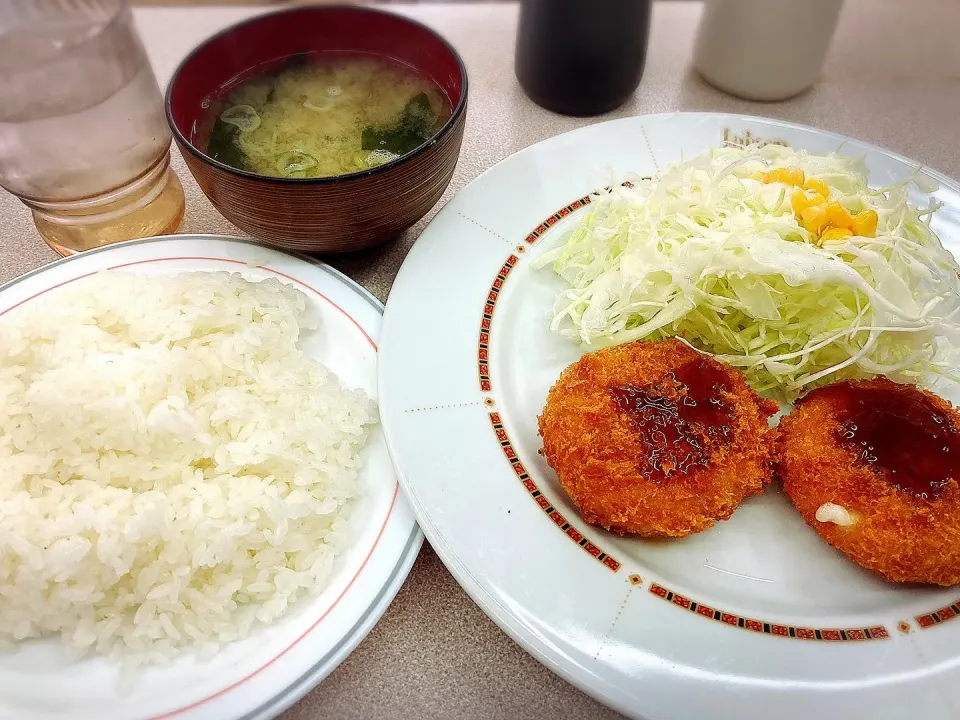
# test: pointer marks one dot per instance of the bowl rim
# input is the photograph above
(447, 127)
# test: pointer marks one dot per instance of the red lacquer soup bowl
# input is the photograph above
(328, 214)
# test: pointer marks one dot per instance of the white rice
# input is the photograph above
(173, 469)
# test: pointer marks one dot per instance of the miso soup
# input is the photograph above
(320, 116)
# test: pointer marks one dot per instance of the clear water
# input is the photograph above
(74, 121)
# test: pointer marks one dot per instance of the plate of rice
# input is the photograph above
(198, 514)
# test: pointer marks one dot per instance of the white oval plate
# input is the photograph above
(264, 674)
(754, 618)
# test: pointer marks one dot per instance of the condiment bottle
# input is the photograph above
(581, 57)
(764, 49)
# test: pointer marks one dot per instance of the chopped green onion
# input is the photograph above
(290, 164)
(243, 116)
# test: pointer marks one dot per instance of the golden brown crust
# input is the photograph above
(597, 453)
(899, 536)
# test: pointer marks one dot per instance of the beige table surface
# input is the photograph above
(892, 78)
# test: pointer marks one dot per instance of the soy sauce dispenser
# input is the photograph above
(581, 57)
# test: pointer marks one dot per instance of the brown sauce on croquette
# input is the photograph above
(906, 440)
(681, 419)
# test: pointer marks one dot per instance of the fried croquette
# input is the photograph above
(873, 467)
(655, 439)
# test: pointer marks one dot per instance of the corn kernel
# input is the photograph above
(865, 224)
(814, 219)
(838, 216)
(835, 233)
(788, 176)
(795, 176)
(777, 175)
(817, 185)
(800, 201)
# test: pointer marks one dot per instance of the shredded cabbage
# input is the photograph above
(710, 254)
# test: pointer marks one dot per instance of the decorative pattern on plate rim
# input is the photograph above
(483, 346)
(878, 632)
(483, 372)
(531, 487)
(939, 616)
(563, 212)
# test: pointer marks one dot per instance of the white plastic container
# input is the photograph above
(764, 49)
